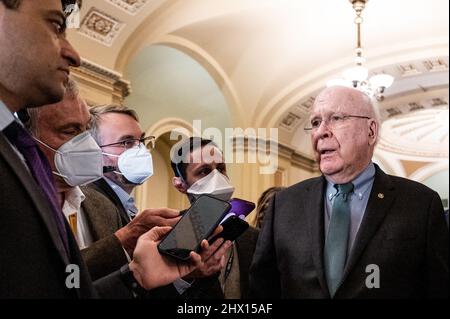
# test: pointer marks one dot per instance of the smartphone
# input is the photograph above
(233, 227)
(196, 224)
(240, 208)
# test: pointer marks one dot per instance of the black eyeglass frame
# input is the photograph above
(146, 140)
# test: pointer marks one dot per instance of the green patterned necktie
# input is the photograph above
(335, 252)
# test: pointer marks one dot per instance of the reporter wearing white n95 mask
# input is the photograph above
(78, 161)
(135, 164)
(215, 184)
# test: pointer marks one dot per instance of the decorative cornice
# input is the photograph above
(130, 6)
(106, 76)
(246, 144)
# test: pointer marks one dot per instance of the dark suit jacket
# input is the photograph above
(105, 254)
(33, 257)
(402, 232)
(103, 187)
(245, 245)
(201, 289)
(105, 215)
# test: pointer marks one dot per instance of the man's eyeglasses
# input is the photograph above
(128, 143)
(335, 121)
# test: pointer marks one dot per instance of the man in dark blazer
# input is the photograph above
(33, 256)
(39, 256)
(234, 277)
(395, 243)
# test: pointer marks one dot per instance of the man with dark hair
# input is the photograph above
(39, 256)
(128, 163)
(14, 4)
(199, 168)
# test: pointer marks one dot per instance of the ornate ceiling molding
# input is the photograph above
(112, 81)
(100, 27)
(130, 6)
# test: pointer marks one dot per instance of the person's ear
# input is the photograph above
(179, 184)
(373, 132)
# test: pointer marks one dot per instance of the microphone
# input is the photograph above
(107, 169)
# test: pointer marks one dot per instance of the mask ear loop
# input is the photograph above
(179, 173)
(181, 176)
(56, 151)
(47, 146)
(109, 169)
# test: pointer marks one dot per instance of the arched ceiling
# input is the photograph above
(269, 58)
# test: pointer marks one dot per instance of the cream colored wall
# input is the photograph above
(155, 192)
(158, 190)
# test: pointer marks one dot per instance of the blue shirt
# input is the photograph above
(358, 201)
(126, 199)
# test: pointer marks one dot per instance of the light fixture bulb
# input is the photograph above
(381, 80)
(357, 73)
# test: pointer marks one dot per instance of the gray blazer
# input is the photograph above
(403, 232)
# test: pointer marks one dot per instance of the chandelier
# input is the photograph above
(357, 76)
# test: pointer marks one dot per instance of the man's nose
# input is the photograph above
(70, 54)
(323, 130)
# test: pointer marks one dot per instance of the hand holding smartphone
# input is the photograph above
(233, 227)
(198, 223)
(240, 208)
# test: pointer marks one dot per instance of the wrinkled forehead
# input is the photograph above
(335, 101)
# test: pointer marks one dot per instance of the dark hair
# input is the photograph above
(192, 143)
(14, 4)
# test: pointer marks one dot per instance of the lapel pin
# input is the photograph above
(380, 195)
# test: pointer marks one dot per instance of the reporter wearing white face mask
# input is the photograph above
(127, 159)
(78, 161)
(75, 158)
(199, 168)
(135, 164)
(206, 176)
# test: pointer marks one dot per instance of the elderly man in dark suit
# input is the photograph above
(39, 256)
(353, 232)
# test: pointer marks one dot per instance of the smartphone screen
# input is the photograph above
(240, 208)
(196, 224)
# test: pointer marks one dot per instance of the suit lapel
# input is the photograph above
(316, 226)
(35, 194)
(380, 201)
(104, 187)
(99, 216)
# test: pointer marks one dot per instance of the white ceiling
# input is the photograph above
(270, 57)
